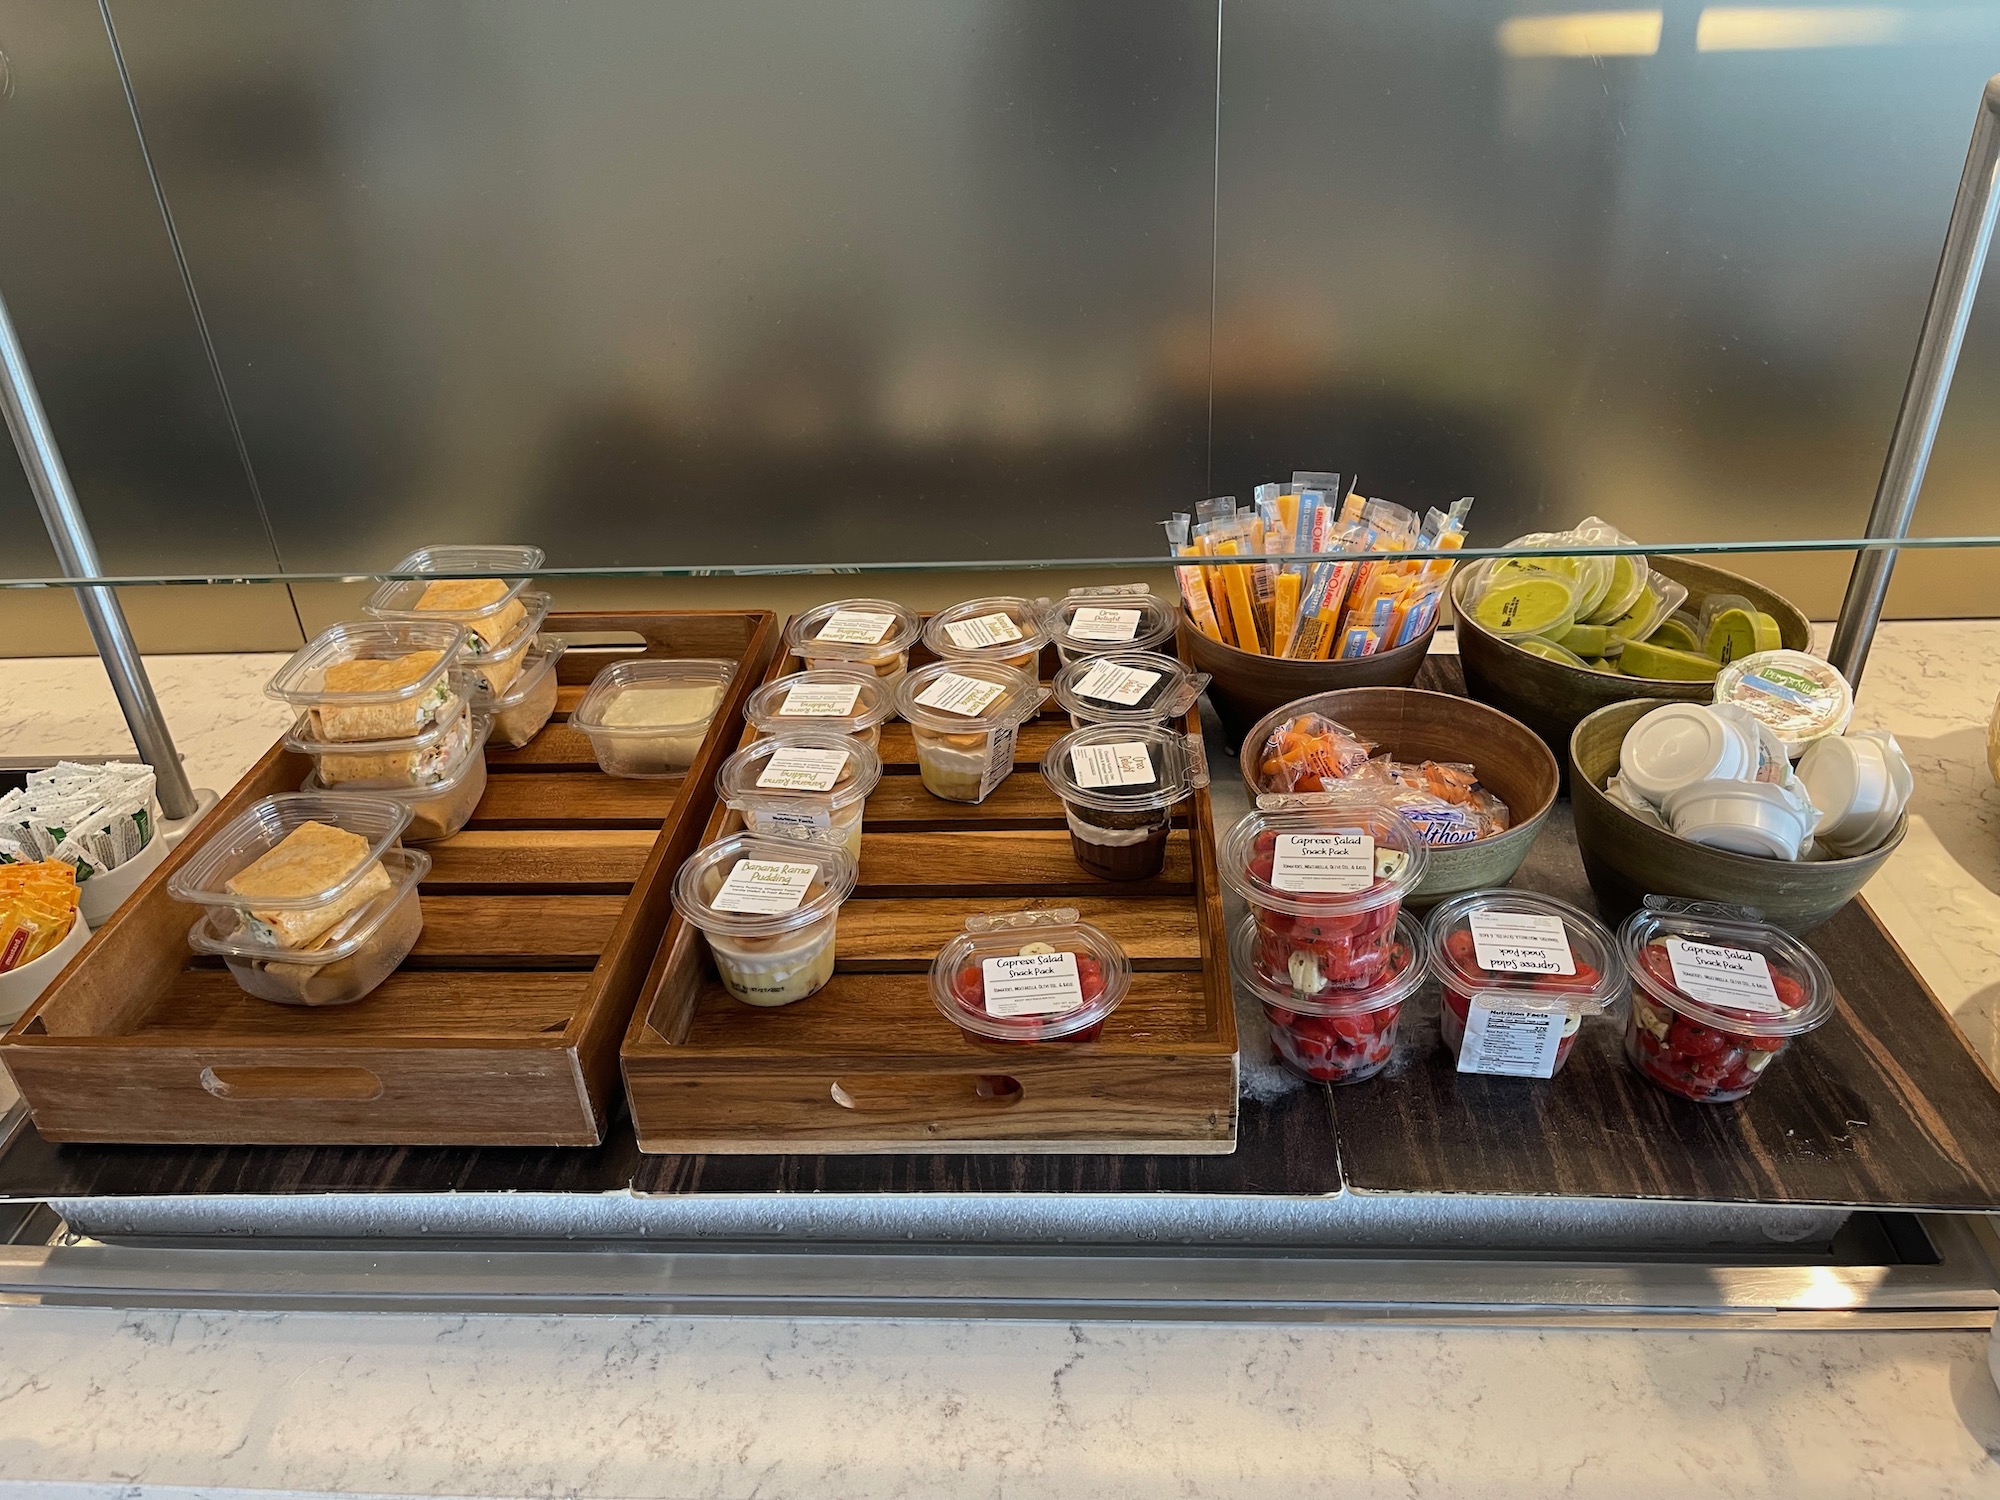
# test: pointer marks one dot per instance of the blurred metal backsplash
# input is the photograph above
(783, 282)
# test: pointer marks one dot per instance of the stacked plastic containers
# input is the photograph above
(964, 716)
(769, 908)
(871, 635)
(1519, 974)
(1030, 976)
(832, 700)
(510, 671)
(1099, 621)
(382, 710)
(310, 898)
(802, 784)
(1326, 946)
(1127, 687)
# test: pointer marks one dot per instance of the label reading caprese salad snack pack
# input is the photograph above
(1511, 942)
(1324, 863)
(1095, 623)
(1511, 1042)
(855, 627)
(766, 887)
(984, 630)
(1032, 984)
(1728, 978)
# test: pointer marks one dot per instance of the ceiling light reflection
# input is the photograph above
(1775, 28)
(1582, 33)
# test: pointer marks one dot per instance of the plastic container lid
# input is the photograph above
(396, 598)
(1125, 767)
(301, 681)
(1800, 696)
(1524, 601)
(1742, 817)
(780, 898)
(1678, 745)
(404, 867)
(964, 697)
(854, 630)
(1021, 970)
(1525, 950)
(267, 823)
(1091, 622)
(649, 673)
(840, 700)
(1128, 686)
(1711, 974)
(998, 628)
(812, 767)
(1316, 862)
(1404, 973)
(303, 738)
(539, 660)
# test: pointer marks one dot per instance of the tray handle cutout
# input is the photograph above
(252, 1083)
(902, 1093)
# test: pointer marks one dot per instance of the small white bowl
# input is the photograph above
(22, 987)
(101, 895)
(1848, 781)
(1682, 745)
(1743, 817)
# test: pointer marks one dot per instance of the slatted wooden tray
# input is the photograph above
(869, 1065)
(501, 1028)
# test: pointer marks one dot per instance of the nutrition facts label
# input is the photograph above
(1512, 1043)
(1324, 863)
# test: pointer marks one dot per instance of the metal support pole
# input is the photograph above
(77, 556)
(1952, 295)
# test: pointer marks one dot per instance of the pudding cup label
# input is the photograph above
(855, 627)
(1727, 978)
(953, 694)
(1125, 763)
(999, 760)
(1512, 1043)
(791, 823)
(984, 630)
(797, 768)
(1511, 942)
(1114, 684)
(1032, 984)
(767, 887)
(1095, 623)
(1324, 863)
(820, 700)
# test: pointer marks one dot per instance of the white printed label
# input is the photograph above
(1125, 763)
(855, 627)
(1109, 683)
(1511, 942)
(788, 824)
(1094, 623)
(1512, 1043)
(796, 768)
(986, 630)
(1729, 978)
(1324, 863)
(953, 694)
(999, 760)
(820, 700)
(765, 886)
(1032, 984)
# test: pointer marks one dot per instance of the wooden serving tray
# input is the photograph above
(869, 1065)
(540, 920)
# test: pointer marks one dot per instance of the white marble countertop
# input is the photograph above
(97, 1403)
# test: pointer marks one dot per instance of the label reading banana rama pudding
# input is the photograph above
(855, 627)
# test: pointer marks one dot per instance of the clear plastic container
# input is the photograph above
(378, 680)
(345, 964)
(443, 808)
(520, 713)
(361, 765)
(1342, 1036)
(1002, 629)
(1127, 687)
(511, 567)
(1717, 997)
(874, 635)
(771, 927)
(1325, 875)
(834, 700)
(376, 820)
(1121, 618)
(648, 717)
(1119, 785)
(492, 670)
(802, 783)
(964, 717)
(1030, 976)
(1536, 968)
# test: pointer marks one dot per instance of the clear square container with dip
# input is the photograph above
(647, 717)
(1030, 976)
(1001, 629)
(835, 700)
(802, 783)
(964, 717)
(1119, 785)
(440, 808)
(1118, 617)
(769, 908)
(1127, 687)
(873, 635)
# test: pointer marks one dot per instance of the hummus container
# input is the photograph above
(1680, 744)
(1802, 697)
